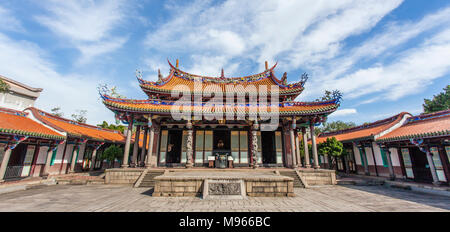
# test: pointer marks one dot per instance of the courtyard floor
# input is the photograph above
(124, 198)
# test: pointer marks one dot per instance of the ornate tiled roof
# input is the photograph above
(423, 126)
(76, 129)
(17, 123)
(367, 131)
(164, 107)
(214, 84)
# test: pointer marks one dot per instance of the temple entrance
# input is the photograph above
(222, 147)
(420, 166)
(174, 146)
(268, 147)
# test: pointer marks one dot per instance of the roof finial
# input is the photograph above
(267, 65)
(178, 63)
(222, 74)
(159, 76)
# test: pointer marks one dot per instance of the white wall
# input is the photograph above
(42, 156)
(394, 157)
(369, 155)
(59, 153)
(81, 153)
(377, 151)
(357, 155)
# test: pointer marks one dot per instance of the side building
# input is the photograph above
(364, 155)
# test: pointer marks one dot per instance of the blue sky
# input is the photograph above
(386, 56)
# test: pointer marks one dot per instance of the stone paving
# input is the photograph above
(124, 198)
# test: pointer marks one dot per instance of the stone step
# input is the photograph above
(297, 182)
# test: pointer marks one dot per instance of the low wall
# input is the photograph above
(255, 186)
(318, 177)
(122, 175)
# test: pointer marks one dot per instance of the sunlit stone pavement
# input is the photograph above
(124, 198)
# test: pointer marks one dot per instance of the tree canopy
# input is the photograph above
(439, 102)
(112, 153)
(4, 87)
(105, 125)
(334, 126)
(80, 116)
(57, 111)
(331, 147)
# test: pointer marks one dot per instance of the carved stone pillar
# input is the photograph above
(189, 145)
(144, 148)
(314, 146)
(126, 151)
(150, 161)
(254, 149)
(297, 150)
(305, 147)
(136, 146)
(293, 156)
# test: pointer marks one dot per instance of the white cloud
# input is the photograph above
(293, 32)
(409, 73)
(343, 112)
(87, 25)
(9, 21)
(25, 62)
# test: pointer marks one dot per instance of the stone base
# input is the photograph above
(192, 183)
(122, 175)
(318, 176)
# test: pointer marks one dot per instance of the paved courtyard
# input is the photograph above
(121, 198)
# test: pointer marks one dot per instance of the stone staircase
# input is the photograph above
(297, 181)
(147, 181)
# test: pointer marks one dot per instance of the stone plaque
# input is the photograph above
(222, 189)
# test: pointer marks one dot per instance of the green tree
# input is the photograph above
(105, 125)
(4, 87)
(334, 126)
(80, 116)
(331, 148)
(57, 111)
(112, 153)
(439, 102)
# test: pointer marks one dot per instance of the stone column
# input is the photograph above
(74, 158)
(305, 145)
(126, 151)
(94, 155)
(293, 156)
(314, 146)
(189, 145)
(48, 161)
(389, 161)
(136, 146)
(144, 147)
(432, 167)
(5, 162)
(254, 145)
(297, 150)
(150, 161)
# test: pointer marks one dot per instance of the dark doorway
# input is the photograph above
(174, 139)
(420, 166)
(268, 147)
(221, 139)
